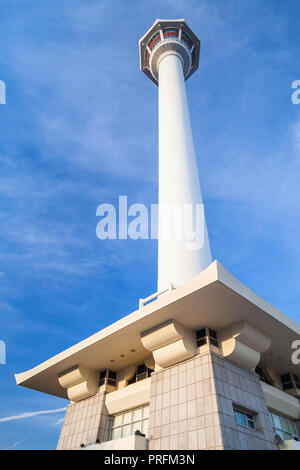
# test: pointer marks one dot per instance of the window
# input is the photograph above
(244, 418)
(169, 32)
(290, 381)
(187, 40)
(262, 375)
(284, 427)
(201, 337)
(109, 377)
(126, 423)
(296, 380)
(206, 336)
(142, 372)
(213, 337)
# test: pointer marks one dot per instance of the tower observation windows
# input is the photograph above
(171, 32)
(151, 44)
(187, 40)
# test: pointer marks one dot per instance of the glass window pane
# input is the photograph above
(201, 333)
(125, 424)
(240, 418)
(251, 423)
(127, 417)
(280, 433)
(137, 414)
(277, 422)
(140, 369)
(145, 427)
(293, 428)
(287, 436)
(284, 424)
(116, 433)
(201, 342)
(141, 376)
(117, 421)
(136, 426)
(126, 430)
(212, 334)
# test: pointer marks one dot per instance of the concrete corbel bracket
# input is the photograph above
(80, 382)
(243, 343)
(169, 343)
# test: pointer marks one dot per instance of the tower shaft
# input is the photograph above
(169, 55)
(178, 179)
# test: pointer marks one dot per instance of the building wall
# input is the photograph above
(191, 407)
(85, 421)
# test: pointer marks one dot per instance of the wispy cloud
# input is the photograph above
(31, 414)
(58, 422)
(16, 444)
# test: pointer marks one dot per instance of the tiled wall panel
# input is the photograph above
(191, 407)
(85, 421)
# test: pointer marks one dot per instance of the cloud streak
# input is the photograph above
(31, 414)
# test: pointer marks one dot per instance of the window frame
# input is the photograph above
(249, 415)
(144, 419)
(280, 430)
(144, 374)
(207, 335)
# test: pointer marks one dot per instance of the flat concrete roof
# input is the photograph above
(214, 298)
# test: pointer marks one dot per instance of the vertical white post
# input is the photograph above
(178, 176)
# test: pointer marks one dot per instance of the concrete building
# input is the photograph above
(204, 363)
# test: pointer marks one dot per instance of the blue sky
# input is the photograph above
(80, 128)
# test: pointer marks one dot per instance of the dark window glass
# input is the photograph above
(201, 342)
(287, 386)
(212, 334)
(297, 381)
(141, 376)
(286, 378)
(133, 380)
(201, 333)
(141, 369)
(112, 375)
(287, 382)
(103, 374)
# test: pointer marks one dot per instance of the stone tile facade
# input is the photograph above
(191, 407)
(85, 421)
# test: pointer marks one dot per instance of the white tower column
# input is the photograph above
(169, 54)
(178, 177)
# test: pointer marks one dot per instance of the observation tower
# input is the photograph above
(169, 55)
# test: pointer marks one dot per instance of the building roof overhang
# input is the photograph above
(214, 298)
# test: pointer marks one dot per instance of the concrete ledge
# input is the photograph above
(133, 395)
(281, 401)
(125, 443)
